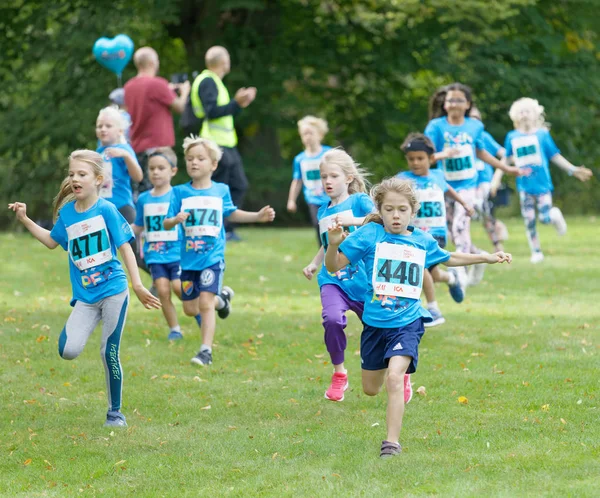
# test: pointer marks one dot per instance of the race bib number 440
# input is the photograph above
(398, 270)
(89, 244)
(206, 216)
(154, 216)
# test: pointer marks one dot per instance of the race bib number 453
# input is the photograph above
(205, 216)
(398, 270)
(89, 244)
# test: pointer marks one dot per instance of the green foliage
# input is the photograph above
(368, 66)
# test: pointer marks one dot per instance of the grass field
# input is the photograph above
(523, 349)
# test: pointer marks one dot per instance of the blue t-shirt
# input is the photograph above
(394, 266)
(306, 168)
(160, 245)
(485, 172)
(203, 244)
(351, 279)
(431, 217)
(116, 187)
(92, 239)
(460, 171)
(532, 150)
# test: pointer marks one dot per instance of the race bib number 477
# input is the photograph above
(89, 244)
(398, 270)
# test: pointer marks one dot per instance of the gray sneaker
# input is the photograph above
(115, 419)
(202, 358)
(389, 449)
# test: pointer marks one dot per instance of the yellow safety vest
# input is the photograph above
(220, 130)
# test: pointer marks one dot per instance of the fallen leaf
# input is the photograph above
(463, 400)
(421, 391)
(67, 384)
(207, 407)
(27, 462)
(563, 421)
(41, 338)
(120, 462)
(545, 408)
(260, 336)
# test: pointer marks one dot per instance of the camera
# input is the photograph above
(179, 78)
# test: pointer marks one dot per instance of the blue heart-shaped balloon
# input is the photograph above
(113, 53)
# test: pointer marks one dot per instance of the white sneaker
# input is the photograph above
(537, 257)
(476, 273)
(558, 220)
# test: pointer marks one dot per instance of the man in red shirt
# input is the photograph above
(150, 100)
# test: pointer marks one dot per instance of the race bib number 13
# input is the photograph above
(89, 245)
(154, 216)
(398, 270)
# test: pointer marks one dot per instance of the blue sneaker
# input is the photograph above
(175, 336)
(456, 290)
(437, 316)
(198, 319)
(115, 419)
(232, 237)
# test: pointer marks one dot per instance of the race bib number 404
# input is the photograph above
(462, 166)
(432, 213)
(206, 216)
(89, 244)
(398, 270)
(311, 175)
(526, 151)
(154, 216)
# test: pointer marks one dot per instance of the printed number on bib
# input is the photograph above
(206, 215)
(433, 209)
(461, 167)
(327, 221)
(398, 270)
(526, 151)
(311, 175)
(106, 189)
(154, 216)
(89, 245)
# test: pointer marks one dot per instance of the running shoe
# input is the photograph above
(202, 358)
(227, 295)
(115, 419)
(437, 316)
(339, 383)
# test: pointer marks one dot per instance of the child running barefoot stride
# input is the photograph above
(201, 205)
(395, 255)
(91, 230)
(531, 146)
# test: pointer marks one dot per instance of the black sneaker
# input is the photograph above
(202, 358)
(227, 295)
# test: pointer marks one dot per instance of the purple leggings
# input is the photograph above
(335, 304)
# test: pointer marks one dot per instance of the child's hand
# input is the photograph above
(292, 207)
(469, 209)
(499, 257)
(182, 216)
(266, 214)
(513, 170)
(345, 219)
(115, 152)
(20, 208)
(448, 153)
(147, 299)
(309, 271)
(582, 173)
(336, 234)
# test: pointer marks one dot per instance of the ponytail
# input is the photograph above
(65, 195)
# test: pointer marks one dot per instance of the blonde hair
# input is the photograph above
(339, 157)
(317, 123)
(167, 153)
(214, 151)
(393, 184)
(65, 192)
(113, 114)
(528, 114)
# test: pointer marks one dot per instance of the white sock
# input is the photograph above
(177, 328)
(451, 278)
(433, 305)
(220, 303)
(204, 347)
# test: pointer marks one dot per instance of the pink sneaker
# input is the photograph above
(339, 383)
(407, 389)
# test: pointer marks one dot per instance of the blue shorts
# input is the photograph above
(442, 243)
(193, 282)
(170, 271)
(377, 345)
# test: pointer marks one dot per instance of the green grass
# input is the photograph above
(523, 348)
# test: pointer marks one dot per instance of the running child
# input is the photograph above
(531, 146)
(91, 230)
(431, 186)
(201, 205)
(161, 247)
(306, 175)
(344, 184)
(395, 255)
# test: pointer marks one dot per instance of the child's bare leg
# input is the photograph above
(428, 287)
(163, 288)
(372, 381)
(206, 308)
(438, 275)
(176, 287)
(395, 387)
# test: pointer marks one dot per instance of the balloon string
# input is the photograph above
(119, 83)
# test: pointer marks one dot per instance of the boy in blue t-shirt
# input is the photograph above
(200, 206)
(531, 147)
(431, 186)
(306, 175)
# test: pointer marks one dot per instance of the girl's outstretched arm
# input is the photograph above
(37, 231)
(486, 157)
(265, 215)
(580, 172)
(143, 294)
(462, 259)
(295, 188)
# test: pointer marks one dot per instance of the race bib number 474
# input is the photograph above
(205, 216)
(398, 270)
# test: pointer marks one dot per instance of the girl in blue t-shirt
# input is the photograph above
(530, 146)
(306, 175)
(395, 255)
(344, 183)
(91, 230)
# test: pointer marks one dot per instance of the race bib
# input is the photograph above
(433, 209)
(89, 244)
(479, 165)
(311, 176)
(398, 270)
(325, 223)
(154, 216)
(461, 167)
(106, 189)
(526, 151)
(206, 216)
